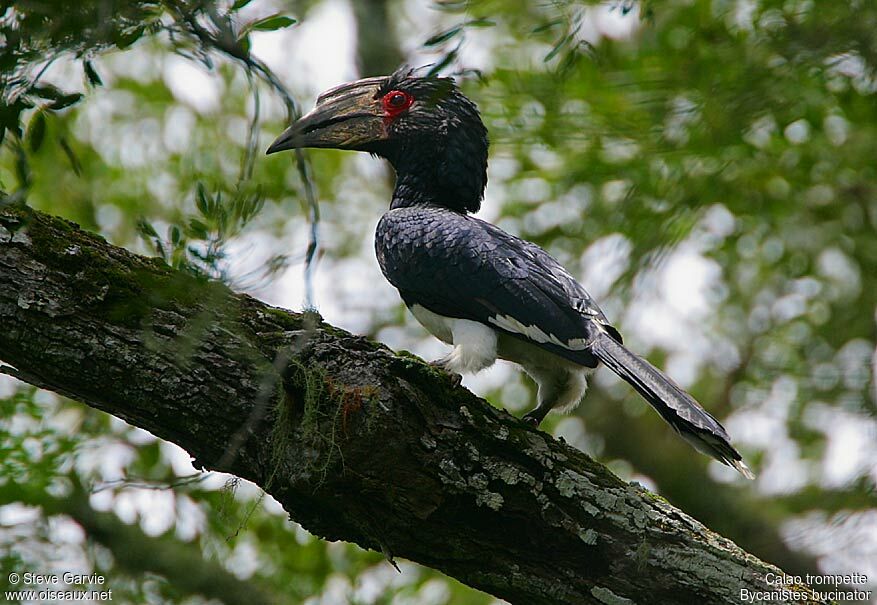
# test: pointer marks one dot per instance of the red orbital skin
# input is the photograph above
(394, 103)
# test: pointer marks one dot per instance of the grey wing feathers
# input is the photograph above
(553, 279)
(460, 266)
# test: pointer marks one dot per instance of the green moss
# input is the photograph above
(416, 366)
(125, 291)
(409, 356)
(283, 318)
(324, 416)
(652, 495)
(333, 331)
(132, 297)
(317, 388)
(280, 432)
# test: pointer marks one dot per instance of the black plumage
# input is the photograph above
(488, 293)
(459, 266)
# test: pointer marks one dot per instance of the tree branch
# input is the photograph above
(357, 443)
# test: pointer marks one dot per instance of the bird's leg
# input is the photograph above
(559, 388)
(549, 385)
(474, 349)
(537, 415)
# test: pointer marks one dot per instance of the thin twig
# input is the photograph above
(197, 477)
(253, 134)
(225, 42)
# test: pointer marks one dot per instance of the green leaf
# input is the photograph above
(202, 200)
(71, 156)
(244, 42)
(480, 22)
(22, 168)
(239, 4)
(457, 29)
(561, 44)
(92, 75)
(546, 26)
(443, 36)
(268, 24)
(145, 228)
(47, 91)
(124, 39)
(66, 101)
(445, 61)
(36, 131)
(198, 229)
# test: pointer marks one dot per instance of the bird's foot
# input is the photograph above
(439, 364)
(534, 418)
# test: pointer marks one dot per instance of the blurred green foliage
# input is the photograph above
(709, 168)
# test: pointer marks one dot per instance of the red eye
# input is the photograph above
(396, 101)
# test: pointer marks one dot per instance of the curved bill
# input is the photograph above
(346, 117)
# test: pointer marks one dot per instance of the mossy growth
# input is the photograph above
(127, 291)
(318, 412)
(282, 317)
(651, 495)
(414, 364)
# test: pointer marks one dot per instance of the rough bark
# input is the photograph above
(356, 442)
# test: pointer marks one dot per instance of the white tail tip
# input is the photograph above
(742, 469)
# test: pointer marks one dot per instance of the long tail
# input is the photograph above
(678, 408)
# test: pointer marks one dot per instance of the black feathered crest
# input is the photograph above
(427, 89)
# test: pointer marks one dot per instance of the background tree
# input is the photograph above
(707, 168)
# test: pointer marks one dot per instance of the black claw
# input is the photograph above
(533, 419)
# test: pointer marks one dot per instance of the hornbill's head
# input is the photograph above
(429, 131)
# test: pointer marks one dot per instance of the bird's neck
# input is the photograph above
(439, 177)
(410, 191)
(428, 188)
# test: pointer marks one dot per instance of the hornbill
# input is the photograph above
(488, 293)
